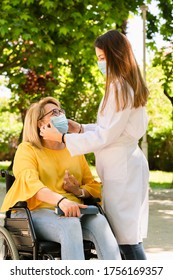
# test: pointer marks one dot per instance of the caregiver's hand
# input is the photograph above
(74, 127)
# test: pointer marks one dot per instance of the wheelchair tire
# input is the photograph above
(8, 250)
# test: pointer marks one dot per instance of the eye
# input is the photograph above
(101, 58)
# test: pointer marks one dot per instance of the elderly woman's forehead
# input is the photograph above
(50, 106)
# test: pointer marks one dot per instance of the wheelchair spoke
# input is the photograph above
(8, 249)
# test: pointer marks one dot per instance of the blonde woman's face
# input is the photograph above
(50, 110)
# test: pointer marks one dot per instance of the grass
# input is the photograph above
(4, 164)
(161, 179)
(158, 179)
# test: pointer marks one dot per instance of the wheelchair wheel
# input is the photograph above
(8, 250)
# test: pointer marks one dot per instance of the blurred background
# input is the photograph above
(46, 48)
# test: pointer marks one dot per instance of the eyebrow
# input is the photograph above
(48, 113)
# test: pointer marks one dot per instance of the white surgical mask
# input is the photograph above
(102, 66)
(60, 122)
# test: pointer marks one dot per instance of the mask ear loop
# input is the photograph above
(63, 140)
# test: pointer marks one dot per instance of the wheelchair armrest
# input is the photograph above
(91, 209)
(20, 204)
(92, 201)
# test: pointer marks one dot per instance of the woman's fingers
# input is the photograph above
(72, 210)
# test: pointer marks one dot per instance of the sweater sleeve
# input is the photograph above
(27, 182)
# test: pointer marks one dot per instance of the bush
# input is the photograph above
(160, 152)
(10, 130)
(160, 138)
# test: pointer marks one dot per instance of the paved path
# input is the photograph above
(159, 244)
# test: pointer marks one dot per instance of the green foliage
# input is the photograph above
(159, 106)
(164, 58)
(56, 37)
(10, 130)
(162, 24)
(160, 136)
(47, 49)
(160, 152)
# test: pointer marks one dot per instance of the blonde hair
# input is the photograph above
(31, 131)
(123, 68)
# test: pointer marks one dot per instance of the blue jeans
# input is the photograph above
(70, 232)
(133, 252)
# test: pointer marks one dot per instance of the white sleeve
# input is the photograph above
(89, 127)
(101, 136)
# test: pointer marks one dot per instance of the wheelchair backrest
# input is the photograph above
(9, 179)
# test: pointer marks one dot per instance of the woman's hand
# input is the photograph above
(49, 132)
(71, 208)
(71, 184)
(74, 127)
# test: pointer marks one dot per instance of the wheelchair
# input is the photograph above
(18, 240)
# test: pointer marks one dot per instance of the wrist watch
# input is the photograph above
(82, 194)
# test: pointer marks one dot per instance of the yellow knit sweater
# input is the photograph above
(38, 168)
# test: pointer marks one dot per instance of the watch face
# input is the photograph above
(83, 193)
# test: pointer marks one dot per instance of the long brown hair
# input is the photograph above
(31, 132)
(122, 71)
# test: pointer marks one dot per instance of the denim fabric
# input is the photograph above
(133, 252)
(70, 232)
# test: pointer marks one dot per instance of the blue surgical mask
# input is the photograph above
(60, 122)
(102, 66)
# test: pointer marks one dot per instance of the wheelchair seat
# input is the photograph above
(18, 239)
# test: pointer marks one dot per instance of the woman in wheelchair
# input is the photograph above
(46, 176)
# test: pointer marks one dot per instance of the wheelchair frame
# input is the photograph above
(18, 238)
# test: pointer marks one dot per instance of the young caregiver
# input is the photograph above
(121, 121)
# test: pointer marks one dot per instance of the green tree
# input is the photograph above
(162, 24)
(47, 49)
(10, 129)
(160, 137)
(52, 40)
(56, 37)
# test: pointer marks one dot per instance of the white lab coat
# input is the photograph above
(121, 166)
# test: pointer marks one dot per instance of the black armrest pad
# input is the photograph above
(91, 201)
(20, 204)
(91, 209)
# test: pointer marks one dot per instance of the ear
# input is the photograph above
(39, 123)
